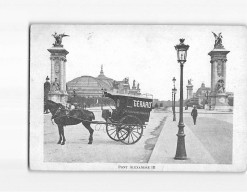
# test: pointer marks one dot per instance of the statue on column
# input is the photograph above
(58, 39)
(218, 40)
(189, 82)
(138, 86)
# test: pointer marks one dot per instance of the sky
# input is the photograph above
(145, 53)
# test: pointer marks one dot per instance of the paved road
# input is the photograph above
(215, 133)
(103, 148)
(208, 142)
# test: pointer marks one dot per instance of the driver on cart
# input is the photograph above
(69, 107)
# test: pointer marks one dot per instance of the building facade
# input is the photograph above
(202, 94)
(202, 97)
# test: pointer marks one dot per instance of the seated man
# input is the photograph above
(69, 107)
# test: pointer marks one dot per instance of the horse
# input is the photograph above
(63, 118)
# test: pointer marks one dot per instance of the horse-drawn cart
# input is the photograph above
(125, 123)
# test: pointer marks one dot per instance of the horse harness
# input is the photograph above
(67, 113)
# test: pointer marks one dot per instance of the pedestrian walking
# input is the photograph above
(194, 114)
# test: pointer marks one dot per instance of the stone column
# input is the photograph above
(64, 73)
(61, 76)
(52, 70)
(189, 91)
(224, 70)
(58, 63)
(219, 100)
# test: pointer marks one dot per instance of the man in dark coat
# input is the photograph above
(47, 87)
(194, 114)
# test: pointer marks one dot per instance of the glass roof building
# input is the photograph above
(88, 86)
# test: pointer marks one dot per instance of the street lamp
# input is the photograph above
(172, 104)
(181, 57)
(174, 90)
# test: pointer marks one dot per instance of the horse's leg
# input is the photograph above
(60, 135)
(62, 132)
(87, 125)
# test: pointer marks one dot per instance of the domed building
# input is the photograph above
(106, 80)
(87, 86)
(91, 87)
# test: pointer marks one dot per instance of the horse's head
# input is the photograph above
(52, 106)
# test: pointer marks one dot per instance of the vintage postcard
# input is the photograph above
(137, 98)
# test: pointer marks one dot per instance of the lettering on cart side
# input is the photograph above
(138, 103)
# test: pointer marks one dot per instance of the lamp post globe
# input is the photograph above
(181, 49)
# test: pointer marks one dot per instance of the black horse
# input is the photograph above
(63, 117)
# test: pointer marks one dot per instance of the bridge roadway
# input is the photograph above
(103, 148)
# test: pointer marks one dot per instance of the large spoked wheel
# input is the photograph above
(111, 131)
(129, 130)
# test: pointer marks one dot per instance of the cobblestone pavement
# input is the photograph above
(103, 148)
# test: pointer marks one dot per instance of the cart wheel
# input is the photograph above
(111, 131)
(130, 129)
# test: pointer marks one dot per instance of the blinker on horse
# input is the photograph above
(62, 118)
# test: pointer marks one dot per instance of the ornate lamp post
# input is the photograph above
(181, 57)
(174, 90)
(172, 104)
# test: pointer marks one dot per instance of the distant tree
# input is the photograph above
(156, 105)
(161, 104)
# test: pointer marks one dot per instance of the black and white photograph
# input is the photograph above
(132, 96)
(135, 97)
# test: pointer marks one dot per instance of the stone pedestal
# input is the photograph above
(218, 96)
(58, 91)
(58, 97)
(219, 102)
